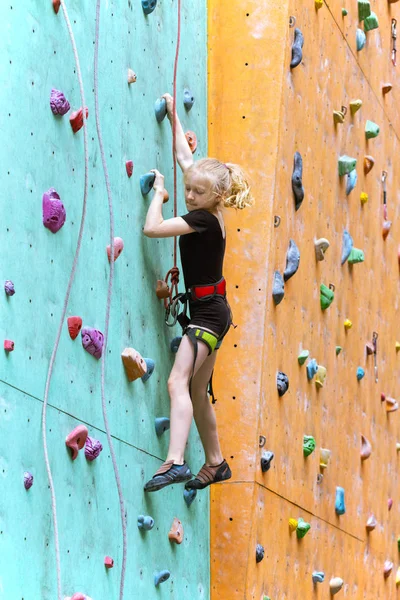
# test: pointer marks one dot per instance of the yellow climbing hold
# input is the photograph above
(398, 446)
(319, 4)
(398, 576)
(338, 116)
(348, 324)
(324, 458)
(320, 377)
(355, 105)
(397, 346)
(364, 197)
(293, 525)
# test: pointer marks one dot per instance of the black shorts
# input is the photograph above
(212, 314)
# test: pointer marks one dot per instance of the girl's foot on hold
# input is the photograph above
(208, 475)
(168, 474)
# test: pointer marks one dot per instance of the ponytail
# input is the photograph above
(239, 193)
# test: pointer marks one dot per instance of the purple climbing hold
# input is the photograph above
(259, 553)
(282, 383)
(92, 448)
(53, 211)
(92, 341)
(28, 480)
(58, 102)
(9, 288)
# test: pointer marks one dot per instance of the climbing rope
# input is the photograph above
(109, 292)
(64, 310)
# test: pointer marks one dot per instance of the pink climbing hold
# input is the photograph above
(108, 562)
(390, 503)
(76, 119)
(53, 211)
(118, 247)
(74, 326)
(92, 341)
(79, 596)
(58, 103)
(129, 167)
(56, 5)
(8, 345)
(191, 138)
(76, 439)
(92, 448)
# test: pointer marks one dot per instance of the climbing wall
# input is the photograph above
(40, 151)
(260, 113)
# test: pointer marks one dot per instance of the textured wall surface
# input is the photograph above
(260, 114)
(39, 151)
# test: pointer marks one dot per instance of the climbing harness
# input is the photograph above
(394, 38)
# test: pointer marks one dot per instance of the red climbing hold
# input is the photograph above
(108, 562)
(118, 247)
(191, 140)
(129, 167)
(78, 596)
(8, 345)
(76, 119)
(76, 439)
(74, 326)
(56, 5)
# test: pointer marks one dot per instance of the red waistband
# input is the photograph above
(200, 292)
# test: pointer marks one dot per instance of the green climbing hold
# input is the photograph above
(371, 22)
(364, 9)
(398, 544)
(344, 12)
(371, 130)
(302, 357)
(346, 164)
(355, 256)
(302, 528)
(338, 350)
(326, 296)
(308, 445)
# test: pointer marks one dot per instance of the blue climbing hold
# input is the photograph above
(360, 373)
(318, 576)
(188, 99)
(312, 369)
(150, 368)
(160, 109)
(161, 425)
(340, 507)
(176, 342)
(189, 496)
(361, 39)
(146, 183)
(145, 523)
(148, 6)
(351, 181)
(347, 245)
(161, 576)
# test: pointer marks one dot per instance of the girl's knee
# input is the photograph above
(177, 382)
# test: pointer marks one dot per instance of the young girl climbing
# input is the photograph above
(209, 185)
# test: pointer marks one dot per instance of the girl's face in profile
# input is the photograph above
(199, 191)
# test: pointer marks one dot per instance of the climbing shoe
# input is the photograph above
(208, 475)
(168, 474)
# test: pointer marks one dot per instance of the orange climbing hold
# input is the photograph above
(56, 5)
(135, 365)
(369, 162)
(162, 289)
(77, 439)
(176, 532)
(191, 140)
(74, 326)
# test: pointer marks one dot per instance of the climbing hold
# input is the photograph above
(397, 346)
(161, 576)
(390, 503)
(176, 532)
(56, 5)
(364, 9)
(318, 4)
(351, 181)
(259, 553)
(191, 140)
(175, 343)
(74, 326)
(129, 167)
(93, 448)
(297, 52)
(292, 525)
(346, 164)
(160, 109)
(321, 246)
(398, 576)
(360, 373)
(277, 221)
(150, 364)
(131, 76)
(266, 459)
(302, 528)
(76, 119)
(370, 348)
(76, 439)
(58, 103)
(369, 162)
(118, 247)
(78, 596)
(262, 441)
(326, 295)
(8, 345)
(135, 365)
(348, 324)
(387, 568)
(28, 480)
(371, 22)
(189, 496)
(347, 245)
(312, 369)
(53, 211)
(371, 130)
(146, 183)
(162, 289)
(318, 577)
(308, 445)
(339, 115)
(302, 357)
(363, 198)
(366, 448)
(386, 88)
(282, 383)
(320, 376)
(355, 105)
(92, 341)
(148, 7)
(391, 404)
(325, 455)
(355, 256)
(145, 523)
(371, 523)
(386, 228)
(335, 585)
(361, 39)
(338, 350)
(108, 562)
(344, 12)
(297, 180)
(188, 99)
(9, 288)
(161, 424)
(292, 260)
(278, 290)
(340, 507)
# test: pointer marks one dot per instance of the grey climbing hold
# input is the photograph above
(146, 183)
(297, 52)
(161, 576)
(297, 180)
(312, 369)
(145, 523)
(259, 553)
(282, 383)
(175, 343)
(266, 459)
(351, 181)
(321, 246)
(160, 109)
(150, 368)
(278, 290)
(346, 164)
(189, 496)
(347, 246)
(148, 6)
(361, 39)
(188, 99)
(318, 577)
(162, 424)
(292, 260)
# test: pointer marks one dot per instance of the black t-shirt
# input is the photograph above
(202, 252)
